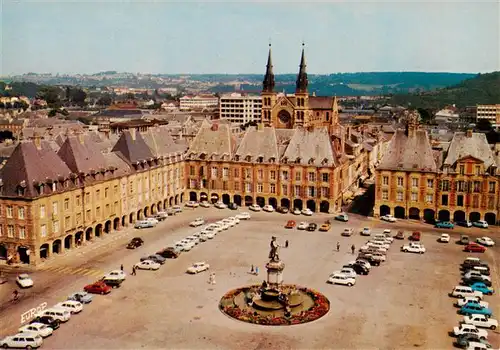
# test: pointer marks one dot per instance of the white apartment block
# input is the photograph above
(490, 112)
(240, 108)
(198, 102)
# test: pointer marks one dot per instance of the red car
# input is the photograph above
(415, 236)
(475, 248)
(98, 287)
(290, 224)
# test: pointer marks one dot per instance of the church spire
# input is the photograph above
(301, 86)
(268, 83)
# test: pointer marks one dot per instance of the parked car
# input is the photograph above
(481, 321)
(177, 209)
(388, 218)
(472, 273)
(348, 271)
(232, 206)
(192, 204)
(312, 227)
(98, 287)
(152, 219)
(339, 278)
(306, 212)
(480, 224)
(413, 248)
(465, 291)
(296, 211)
(465, 340)
(243, 216)
(155, 258)
(475, 279)
(444, 224)
(415, 236)
(23, 280)
(204, 204)
(400, 235)
(342, 217)
(220, 205)
(365, 231)
(60, 314)
(82, 297)
(22, 340)
(474, 308)
(144, 224)
(268, 208)
(444, 238)
(325, 227)
(302, 226)
(464, 240)
(469, 329)
(147, 265)
(474, 248)
(255, 207)
(482, 288)
(37, 328)
(486, 241)
(198, 267)
(471, 262)
(464, 223)
(112, 282)
(170, 212)
(136, 242)
(290, 224)
(347, 232)
(169, 253)
(483, 270)
(161, 215)
(48, 320)
(197, 222)
(282, 210)
(72, 306)
(483, 345)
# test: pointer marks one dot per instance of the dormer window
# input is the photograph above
(285, 160)
(272, 160)
(41, 189)
(324, 161)
(298, 160)
(248, 158)
(20, 191)
(237, 158)
(54, 187)
(311, 161)
(260, 159)
(203, 156)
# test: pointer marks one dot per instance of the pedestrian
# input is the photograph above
(133, 270)
(353, 249)
(252, 270)
(338, 246)
(121, 267)
(213, 278)
(286, 243)
(256, 270)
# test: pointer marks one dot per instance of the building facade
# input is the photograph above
(198, 102)
(418, 182)
(490, 113)
(240, 108)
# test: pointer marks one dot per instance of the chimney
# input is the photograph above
(215, 127)
(469, 133)
(132, 133)
(37, 140)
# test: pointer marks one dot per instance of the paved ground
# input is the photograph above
(401, 304)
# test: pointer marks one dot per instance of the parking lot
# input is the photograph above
(401, 304)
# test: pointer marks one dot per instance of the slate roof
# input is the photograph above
(259, 143)
(27, 165)
(81, 157)
(310, 146)
(321, 102)
(132, 147)
(161, 142)
(409, 153)
(213, 140)
(475, 146)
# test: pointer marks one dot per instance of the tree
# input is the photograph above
(77, 96)
(105, 100)
(484, 125)
(425, 115)
(52, 95)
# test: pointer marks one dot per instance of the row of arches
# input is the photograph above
(323, 206)
(429, 215)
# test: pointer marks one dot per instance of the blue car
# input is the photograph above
(82, 297)
(444, 224)
(481, 287)
(474, 308)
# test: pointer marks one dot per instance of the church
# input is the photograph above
(300, 109)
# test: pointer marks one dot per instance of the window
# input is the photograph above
(225, 187)
(272, 188)
(97, 194)
(462, 169)
(192, 183)
(311, 191)
(325, 192)
(43, 230)
(236, 172)
(20, 213)
(297, 191)
(324, 177)
(414, 182)
(284, 175)
(54, 207)
(88, 215)
(55, 227)
(42, 211)
(298, 176)
(414, 197)
(106, 192)
(272, 174)
(429, 198)
(66, 204)
(444, 199)
(445, 185)
(400, 181)
(460, 200)
(460, 186)
(478, 170)
(247, 173)
(248, 187)
(9, 211)
(115, 189)
(385, 195)
(214, 171)
(66, 222)
(78, 201)
(191, 170)
(491, 202)
(98, 212)
(385, 180)
(430, 183)
(236, 186)
(477, 186)
(312, 176)
(260, 174)
(212, 184)
(225, 172)
(260, 188)
(475, 201)
(106, 213)
(284, 190)
(491, 187)
(399, 196)
(78, 219)
(10, 231)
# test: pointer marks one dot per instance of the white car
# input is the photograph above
(197, 222)
(444, 238)
(209, 235)
(477, 345)
(339, 278)
(378, 243)
(193, 239)
(187, 245)
(463, 301)
(24, 280)
(229, 222)
(482, 321)
(486, 241)
(116, 274)
(152, 220)
(198, 267)
(38, 328)
(177, 209)
(220, 205)
(255, 207)
(480, 223)
(348, 271)
(192, 204)
(234, 218)
(465, 291)
(62, 315)
(366, 231)
(464, 328)
(147, 265)
(223, 225)
(372, 246)
(296, 211)
(302, 226)
(307, 212)
(379, 237)
(72, 306)
(268, 208)
(411, 248)
(388, 218)
(243, 216)
(477, 274)
(205, 204)
(22, 340)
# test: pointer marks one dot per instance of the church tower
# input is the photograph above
(268, 94)
(301, 116)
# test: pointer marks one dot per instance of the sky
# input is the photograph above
(232, 37)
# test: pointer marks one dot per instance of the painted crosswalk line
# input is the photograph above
(67, 270)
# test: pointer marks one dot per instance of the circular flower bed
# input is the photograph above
(233, 304)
